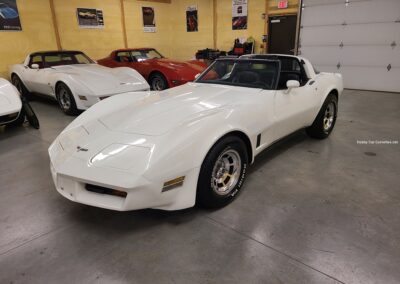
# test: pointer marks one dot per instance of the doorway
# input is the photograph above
(282, 34)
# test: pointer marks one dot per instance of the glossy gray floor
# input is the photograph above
(310, 212)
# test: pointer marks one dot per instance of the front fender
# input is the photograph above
(186, 146)
(74, 84)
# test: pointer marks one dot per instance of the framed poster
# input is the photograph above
(90, 18)
(9, 16)
(149, 20)
(239, 14)
(192, 19)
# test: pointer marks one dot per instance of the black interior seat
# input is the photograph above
(247, 77)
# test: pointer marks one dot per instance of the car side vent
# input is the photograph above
(105, 190)
(258, 140)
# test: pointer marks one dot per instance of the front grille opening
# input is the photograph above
(105, 190)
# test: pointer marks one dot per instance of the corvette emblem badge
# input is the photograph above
(79, 148)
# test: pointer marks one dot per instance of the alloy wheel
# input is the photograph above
(226, 172)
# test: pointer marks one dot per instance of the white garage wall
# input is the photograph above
(358, 38)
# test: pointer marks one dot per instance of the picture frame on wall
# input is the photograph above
(90, 18)
(239, 14)
(149, 19)
(192, 23)
(9, 16)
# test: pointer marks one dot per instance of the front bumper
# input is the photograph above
(85, 101)
(141, 193)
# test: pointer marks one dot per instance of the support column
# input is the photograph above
(55, 25)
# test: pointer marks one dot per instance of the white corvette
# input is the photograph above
(75, 80)
(192, 143)
(10, 105)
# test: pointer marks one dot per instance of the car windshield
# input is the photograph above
(252, 73)
(145, 54)
(66, 58)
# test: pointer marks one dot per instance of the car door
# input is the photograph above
(37, 79)
(294, 108)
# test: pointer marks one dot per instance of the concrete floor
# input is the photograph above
(310, 212)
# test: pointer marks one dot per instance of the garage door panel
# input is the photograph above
(370, 37)
(369, 56)
(321, 2)
(320, 15)
(317, 35)
(372, 11)
(372, 78)
(383, 33)
(325, 55)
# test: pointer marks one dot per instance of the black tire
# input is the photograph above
(325, 120)
(66, 99)
(20, 120)
(30, 114)
(17, 82)
(208, 194)
(158, 82)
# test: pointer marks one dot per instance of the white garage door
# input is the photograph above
(358, 38)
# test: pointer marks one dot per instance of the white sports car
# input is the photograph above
(193, 143)
(75, 80)
(10, 105)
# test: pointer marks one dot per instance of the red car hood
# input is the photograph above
(186, 70)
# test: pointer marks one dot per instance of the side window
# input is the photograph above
(123, 56)
(36, 59)
(291, 69)
(82, 59)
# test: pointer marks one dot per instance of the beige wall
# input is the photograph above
(37, 34)
(171, 37)
(96, 43)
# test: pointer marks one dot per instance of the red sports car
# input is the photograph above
(160, 72)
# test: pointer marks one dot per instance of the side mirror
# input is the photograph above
(292, 84)
(35, 66)
(197, 76)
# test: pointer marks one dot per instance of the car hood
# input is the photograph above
(186, 70)
(104, 80)
(9, 98)
(159, 113)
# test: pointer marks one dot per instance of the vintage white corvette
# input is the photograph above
(192, 143)
(75, 80)
(10, 104)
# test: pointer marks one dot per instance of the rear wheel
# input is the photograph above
(66, 99)
(222, 173)
(325, 120)
(158, 82)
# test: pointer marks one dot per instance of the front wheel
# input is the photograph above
(158, 82)
(325, 120)
(17, 82)
(66, 99)
(222, 173)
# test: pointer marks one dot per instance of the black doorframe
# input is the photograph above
(295, 32)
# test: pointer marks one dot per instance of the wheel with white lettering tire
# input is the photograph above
(325, 120)
(66, 99)
(222, 173)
